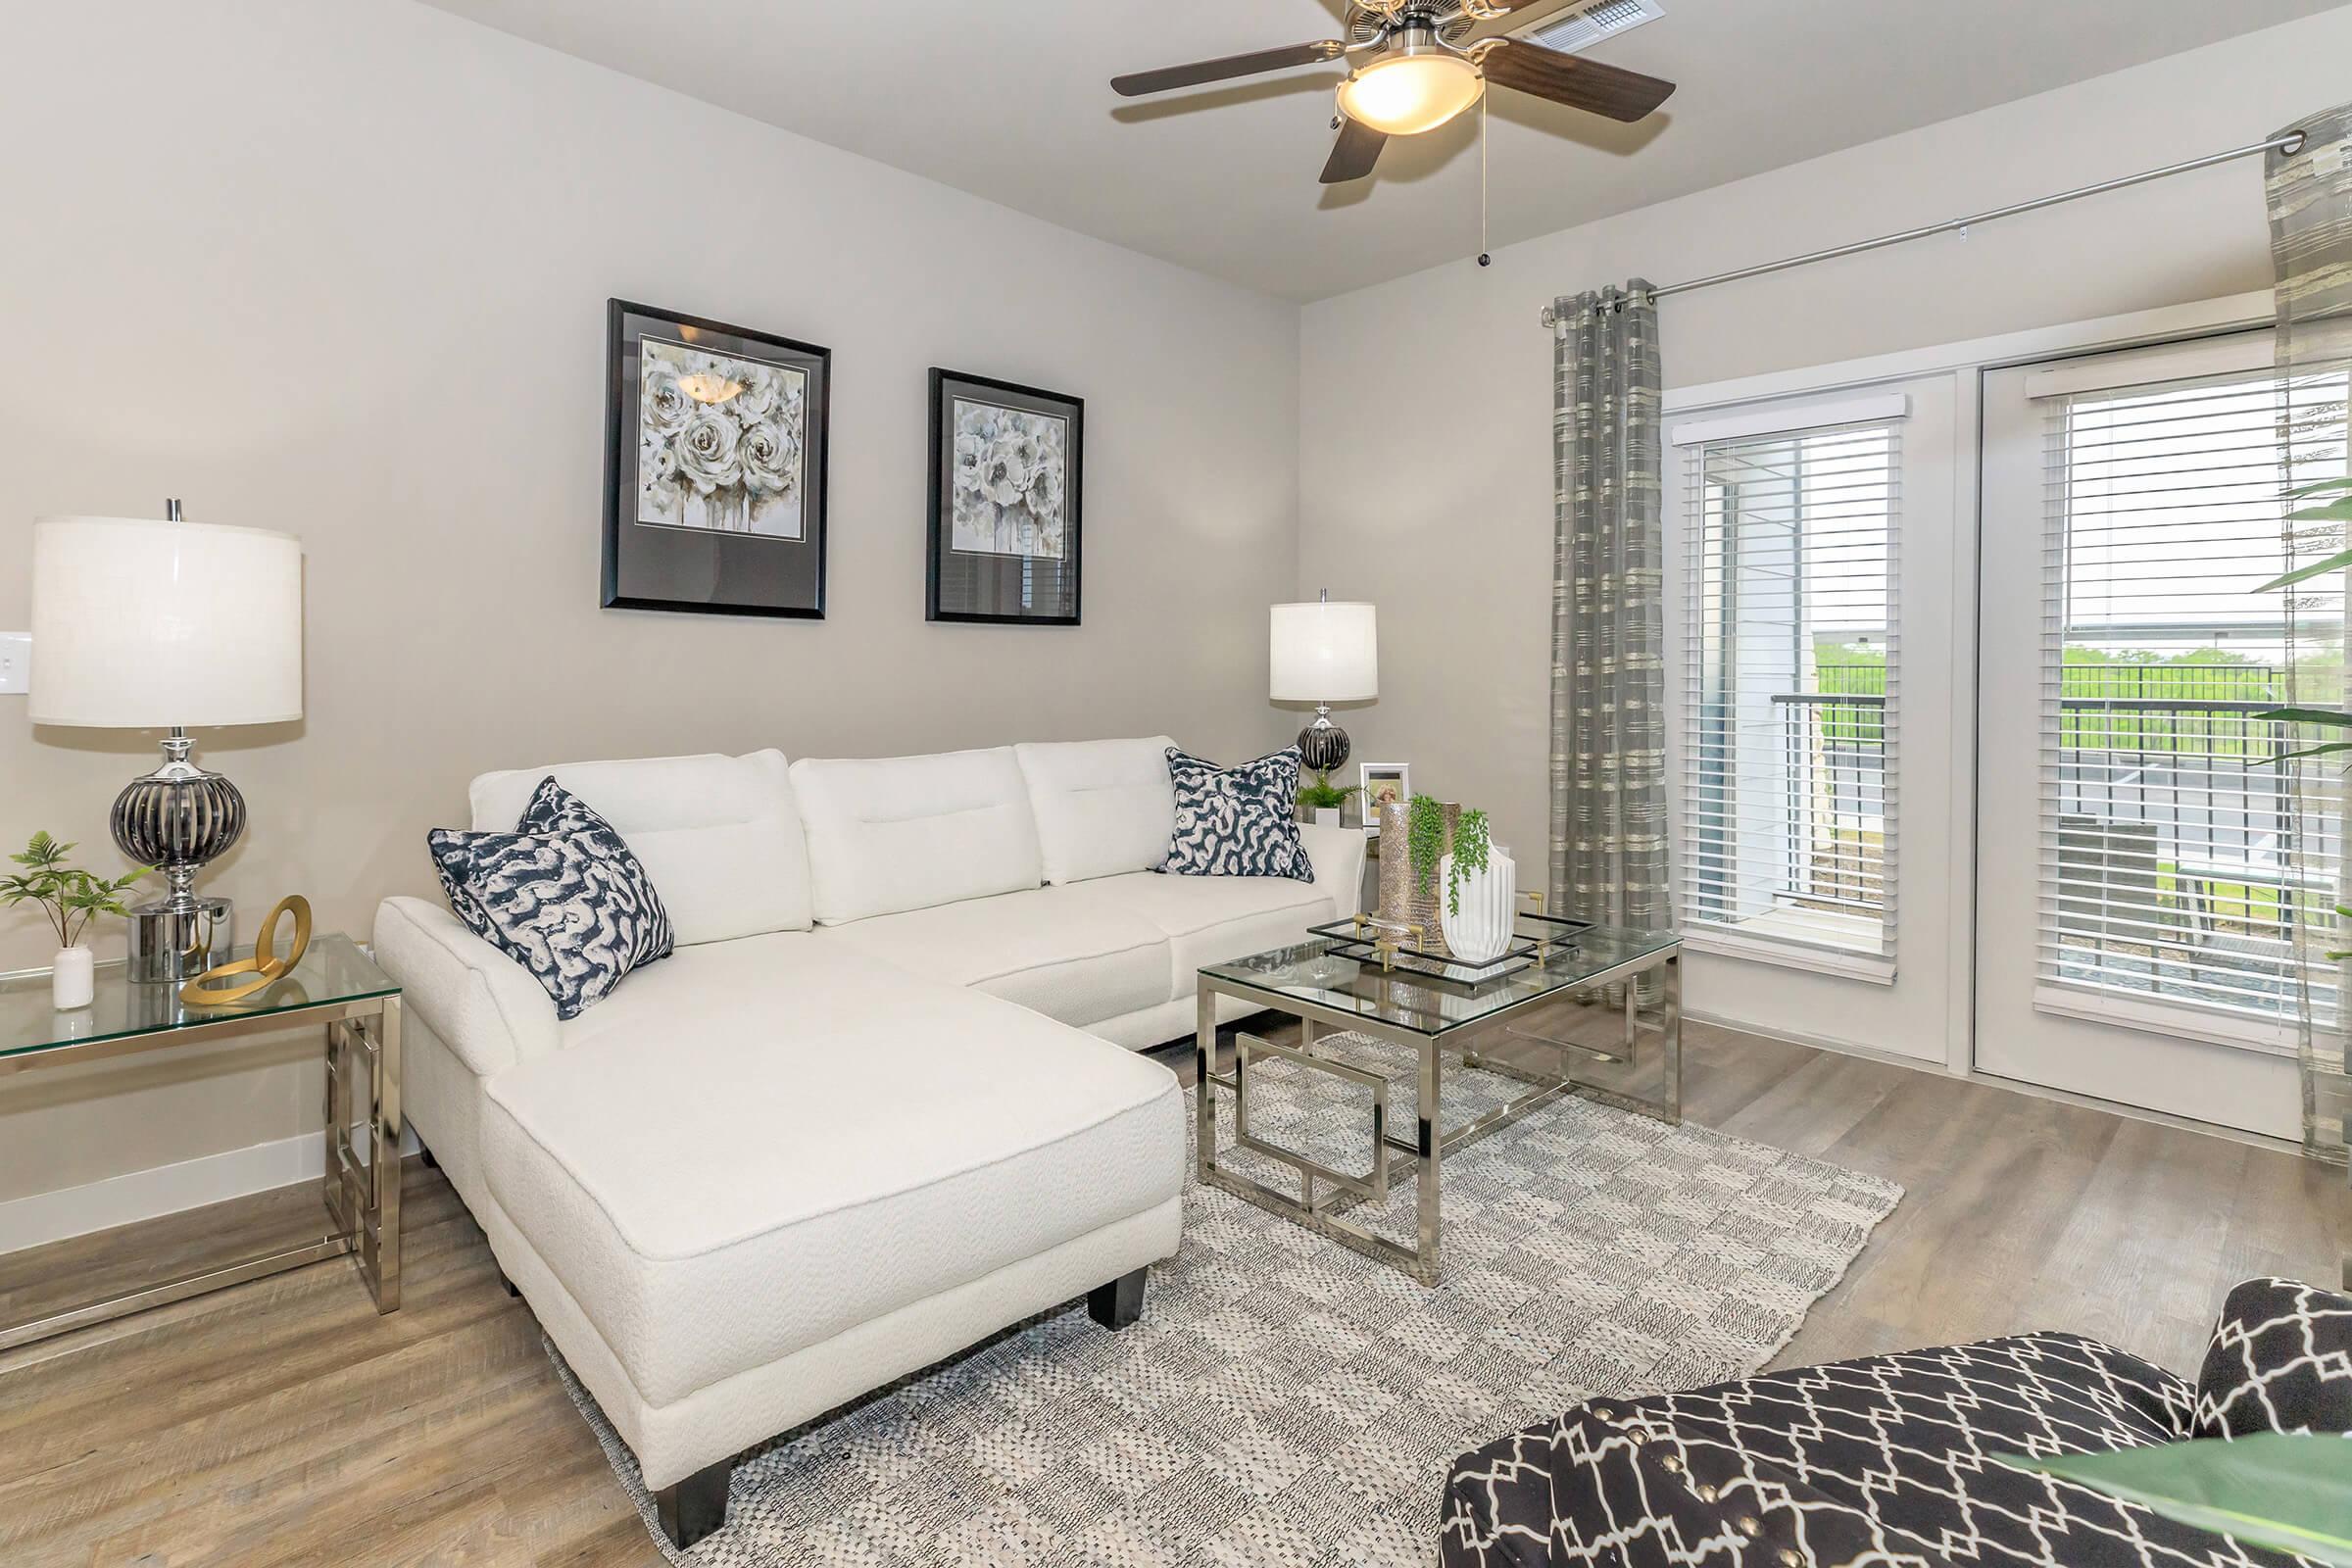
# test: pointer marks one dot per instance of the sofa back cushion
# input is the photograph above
(1102, 806)
(896, 833)
(718, 835)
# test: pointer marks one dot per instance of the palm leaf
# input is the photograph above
(2287, 1492)
(2328, 717)
(2335, 562)
(2329, 749)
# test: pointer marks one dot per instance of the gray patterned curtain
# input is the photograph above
(1608, 670)
(2310, 198)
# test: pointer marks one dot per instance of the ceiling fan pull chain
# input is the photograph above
(1484, 259)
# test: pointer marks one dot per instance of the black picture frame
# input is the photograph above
(994, 587)
(702, 569)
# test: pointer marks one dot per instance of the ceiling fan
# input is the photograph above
(1409, 71)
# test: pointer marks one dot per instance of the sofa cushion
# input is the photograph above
(1068, 958)
(718, 835)
(694, 1183)
(1102, 806)
(2280, 1360)
(570, 903)
(1237, 821)
(897, 833)
(1208, 920)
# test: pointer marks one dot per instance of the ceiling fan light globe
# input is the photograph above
(1407, 94)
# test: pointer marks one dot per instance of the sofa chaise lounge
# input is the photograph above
(869, 1112)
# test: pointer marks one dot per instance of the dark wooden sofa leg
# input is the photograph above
(508, 1285)
(430, 1163)
(695, 1506)
(1119, 1303)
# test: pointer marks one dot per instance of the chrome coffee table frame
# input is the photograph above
(1321, 1210)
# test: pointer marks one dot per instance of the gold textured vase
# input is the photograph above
(1404, 901)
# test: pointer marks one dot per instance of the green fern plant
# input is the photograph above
(1325, 796)
(70, 899)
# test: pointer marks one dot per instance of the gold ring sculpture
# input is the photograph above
(265, 965)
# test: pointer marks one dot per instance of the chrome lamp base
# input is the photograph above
(172, 945)
(178, 818)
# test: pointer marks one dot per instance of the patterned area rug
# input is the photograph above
(1288, 1404)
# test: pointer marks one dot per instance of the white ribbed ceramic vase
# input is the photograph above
(1482, 928)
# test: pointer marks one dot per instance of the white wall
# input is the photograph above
(1425, 425)
(341, 270)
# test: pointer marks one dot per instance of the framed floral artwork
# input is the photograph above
(715, 466)
(1005, 502)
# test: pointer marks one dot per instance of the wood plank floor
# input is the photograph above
(285, 1422)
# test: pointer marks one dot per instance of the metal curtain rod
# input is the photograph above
(2288, 142)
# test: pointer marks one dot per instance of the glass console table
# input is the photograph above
(336, 986)
(1432, 1017)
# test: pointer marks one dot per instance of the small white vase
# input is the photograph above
(72, 981)
(1327, 817)
(1482, 928)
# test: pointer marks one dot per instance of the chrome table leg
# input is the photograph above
(1204, 1082)
(1432, 1132)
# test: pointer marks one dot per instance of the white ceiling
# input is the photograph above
(1012, 103)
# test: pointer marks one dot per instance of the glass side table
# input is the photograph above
(336, 986)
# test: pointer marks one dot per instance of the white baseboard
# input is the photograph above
(46, 1218)
(126, 1199)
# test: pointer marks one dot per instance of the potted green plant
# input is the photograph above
(1323, 796)
(1482, 883)
(72, 899)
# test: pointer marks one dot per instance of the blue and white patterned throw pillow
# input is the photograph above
(1237, 821)
(561, 895)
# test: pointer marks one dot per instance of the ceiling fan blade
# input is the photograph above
(1489, 9)
(1572, 80)
(1354, 153)
(1201, 72)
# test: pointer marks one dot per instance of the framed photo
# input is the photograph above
(1005, 502)
(1384, 783)
(715, 466)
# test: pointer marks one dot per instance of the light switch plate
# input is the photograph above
(16, 663)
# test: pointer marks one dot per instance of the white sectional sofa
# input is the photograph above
(865, 1115)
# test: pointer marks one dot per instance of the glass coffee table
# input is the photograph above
(1340, 984)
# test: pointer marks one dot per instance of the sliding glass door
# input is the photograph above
(2141, 852)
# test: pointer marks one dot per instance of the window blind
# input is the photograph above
(2175, 849)
(1792, 688)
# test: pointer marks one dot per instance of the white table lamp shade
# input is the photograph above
(1325, 653)
(142, 625)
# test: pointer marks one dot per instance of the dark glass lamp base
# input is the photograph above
(1322, 747)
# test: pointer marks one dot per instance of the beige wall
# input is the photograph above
(341, 270)
(1426, 404)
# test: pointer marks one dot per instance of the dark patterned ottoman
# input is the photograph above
(1889, 1459)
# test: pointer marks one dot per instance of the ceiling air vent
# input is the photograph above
(1581, 27)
